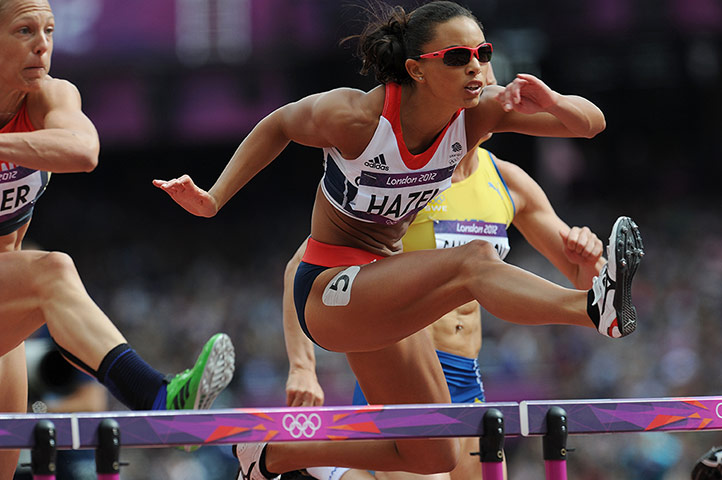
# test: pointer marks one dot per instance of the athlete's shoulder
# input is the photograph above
(348, 118)
(54, 93)
(508, 169)
(524, 190)
(351, 105)
(56, 89)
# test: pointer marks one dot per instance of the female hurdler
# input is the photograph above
(388, 152)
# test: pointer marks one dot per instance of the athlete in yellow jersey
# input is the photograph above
(486, 196)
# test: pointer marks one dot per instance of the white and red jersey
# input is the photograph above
(20, 187)
(387, 183)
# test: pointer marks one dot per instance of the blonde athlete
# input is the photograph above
(387, 153)
(43, 130)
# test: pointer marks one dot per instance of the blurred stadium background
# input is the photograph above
(174, 85)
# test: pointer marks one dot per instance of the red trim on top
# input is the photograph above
(20, 122)
(392, 112)
(327, 255)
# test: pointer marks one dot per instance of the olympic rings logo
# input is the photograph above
(302, 424)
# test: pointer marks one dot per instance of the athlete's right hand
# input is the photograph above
(303, 389)
(189, 196)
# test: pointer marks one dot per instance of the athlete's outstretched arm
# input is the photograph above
(302, 386)
(527, 105)
(574, 251)
(318, 120)
(65, 140)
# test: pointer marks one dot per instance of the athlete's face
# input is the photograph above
(26, 43)
(462, 84)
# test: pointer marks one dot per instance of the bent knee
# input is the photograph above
(477, 255)
(58, 264)
(50, 269)
(481, 249)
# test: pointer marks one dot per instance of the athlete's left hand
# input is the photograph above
(303, 389)
(189, 196)
(527, 94)
(582, 246)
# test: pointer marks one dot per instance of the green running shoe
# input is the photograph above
(198, 387)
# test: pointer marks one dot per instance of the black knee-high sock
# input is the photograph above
(131, 380)
(128, 377)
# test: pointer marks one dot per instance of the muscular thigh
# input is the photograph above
(19, 304)
(405, 373)
(357, 309)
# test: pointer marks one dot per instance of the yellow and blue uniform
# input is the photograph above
(478, 207)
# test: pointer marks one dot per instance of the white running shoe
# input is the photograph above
(248, 455)
(613, 287)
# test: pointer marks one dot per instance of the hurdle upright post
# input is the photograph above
(107, 455)
(555, 444)
(44, 452)
(491, 445)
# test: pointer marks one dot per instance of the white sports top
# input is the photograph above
(387, 183)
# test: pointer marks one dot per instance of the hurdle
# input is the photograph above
(490, 422)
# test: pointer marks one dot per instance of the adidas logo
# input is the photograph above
(379, 163)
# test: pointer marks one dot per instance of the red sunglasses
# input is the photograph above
(460, 56)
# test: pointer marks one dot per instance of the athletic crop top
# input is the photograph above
(20, 187)
(478, 207)
(387, 182)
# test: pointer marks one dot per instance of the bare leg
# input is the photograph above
(398, 296)
(36, 288)
(416, 378)
(390, 301)
(39, 288)
(13, 398)
(44, 287)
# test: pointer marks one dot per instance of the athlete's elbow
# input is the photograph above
(596, 126)
(87, 157)
(87, 162)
